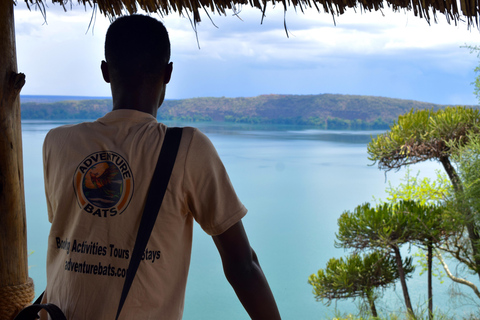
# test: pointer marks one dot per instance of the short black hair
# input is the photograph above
(137, 43)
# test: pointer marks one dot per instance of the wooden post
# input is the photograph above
(15, 286)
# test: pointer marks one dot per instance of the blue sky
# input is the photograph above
(389, 54)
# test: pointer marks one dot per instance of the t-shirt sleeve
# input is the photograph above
(209, 192)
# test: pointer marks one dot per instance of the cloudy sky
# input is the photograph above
(384, 53)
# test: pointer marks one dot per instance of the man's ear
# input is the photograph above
(168, 73)
(105, 73)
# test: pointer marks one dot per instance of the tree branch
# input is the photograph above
(456, 279)
(457, 255)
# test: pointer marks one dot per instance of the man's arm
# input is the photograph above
(243, 272)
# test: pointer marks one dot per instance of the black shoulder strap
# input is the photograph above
(31, 312)
(158, 186)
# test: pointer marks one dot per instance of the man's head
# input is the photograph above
(137, 54)
(137, 46)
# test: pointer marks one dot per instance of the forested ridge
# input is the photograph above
(329, 111)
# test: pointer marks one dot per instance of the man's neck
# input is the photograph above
(134, 107)
(143, 99)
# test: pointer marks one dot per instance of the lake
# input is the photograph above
(296, 182)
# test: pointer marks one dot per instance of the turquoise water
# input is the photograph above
(295, 182)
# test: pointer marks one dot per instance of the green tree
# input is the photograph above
(439, 192)
(432, 229)
(432, 135)
(390, 225)
(467, 160)
(384, 227)
(421, 190)
(357, 276)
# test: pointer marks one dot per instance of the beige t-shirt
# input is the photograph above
(96, 179)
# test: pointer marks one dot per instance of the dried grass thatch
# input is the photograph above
(454, 10)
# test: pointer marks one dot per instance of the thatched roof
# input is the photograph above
(454, 10)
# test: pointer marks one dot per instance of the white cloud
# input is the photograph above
(60, 56)
(314, 35)
(244, 57)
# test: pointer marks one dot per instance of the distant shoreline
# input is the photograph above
(323, 111)
(50, 99)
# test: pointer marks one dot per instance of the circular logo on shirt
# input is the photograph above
(103, 184)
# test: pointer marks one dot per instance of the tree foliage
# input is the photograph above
(421, 135)
(455, 242)
(467, 158)
(424, 191)
(433, 214)
(390, 225)
(357, 276)
(427, 192)
(439, 135)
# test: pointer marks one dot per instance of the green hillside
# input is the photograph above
(328, 111)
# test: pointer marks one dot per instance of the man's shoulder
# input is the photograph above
(67, 130)
(198, 144)
(195, 135)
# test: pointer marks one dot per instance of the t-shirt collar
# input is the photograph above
(129, 115)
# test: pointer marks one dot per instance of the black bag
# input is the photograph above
(158, 186)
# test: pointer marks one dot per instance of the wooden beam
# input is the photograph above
(13, 235)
